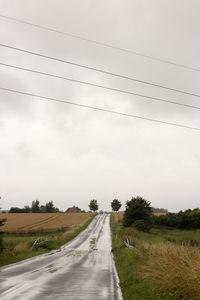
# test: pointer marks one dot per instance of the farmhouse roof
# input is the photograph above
(74, 209)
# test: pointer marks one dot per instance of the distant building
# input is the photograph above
(73, 209)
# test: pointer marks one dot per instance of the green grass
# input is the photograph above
(128, 262)
(12, 257)
(161, 234)
(10, 241)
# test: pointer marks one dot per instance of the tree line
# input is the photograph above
(139, 214)
(49, 207)
(188, 219)
(115, 205)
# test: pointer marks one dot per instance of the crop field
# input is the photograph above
(21, 230)
(119, 216)
(159, 214)
(27, 222)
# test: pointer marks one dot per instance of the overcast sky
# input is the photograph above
(53, 151)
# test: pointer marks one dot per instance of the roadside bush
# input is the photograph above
(138, 213)
(142, 225)
(188, 219)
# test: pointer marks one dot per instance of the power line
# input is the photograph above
(99, 70)
(101, 86)
(165, 61)
(98, 108)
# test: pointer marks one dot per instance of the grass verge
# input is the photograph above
(129, 263)
(17, 246)
(174, 268)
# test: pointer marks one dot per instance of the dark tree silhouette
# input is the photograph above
(35, 206)
(116, 204)
(93, 205)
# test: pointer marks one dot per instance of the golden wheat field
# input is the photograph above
(118, 217)
(159, 214)
(22, 223)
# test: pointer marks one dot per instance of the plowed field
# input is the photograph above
(20, 223)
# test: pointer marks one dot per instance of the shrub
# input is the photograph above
(142, 225)
(137, 209)
(188, 219)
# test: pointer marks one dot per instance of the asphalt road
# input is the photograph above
(81, 269)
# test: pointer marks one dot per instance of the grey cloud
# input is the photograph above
(69, 154)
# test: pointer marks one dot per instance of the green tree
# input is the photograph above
(188, 219)
(43, 209)
(50, 208)
(138, 213)
(35, 206)
(116, 204)
(14, 210)
(93, 205)
(26, 209)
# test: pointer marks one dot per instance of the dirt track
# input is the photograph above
(81, 269)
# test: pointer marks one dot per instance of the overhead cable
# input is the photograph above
(99, 70)
(107, 45)
(101, 86)
(98, 108)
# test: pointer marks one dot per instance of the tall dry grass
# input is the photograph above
(118, 217)
(173, 268)
(21, 247)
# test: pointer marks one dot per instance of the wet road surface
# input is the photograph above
(81, 269)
